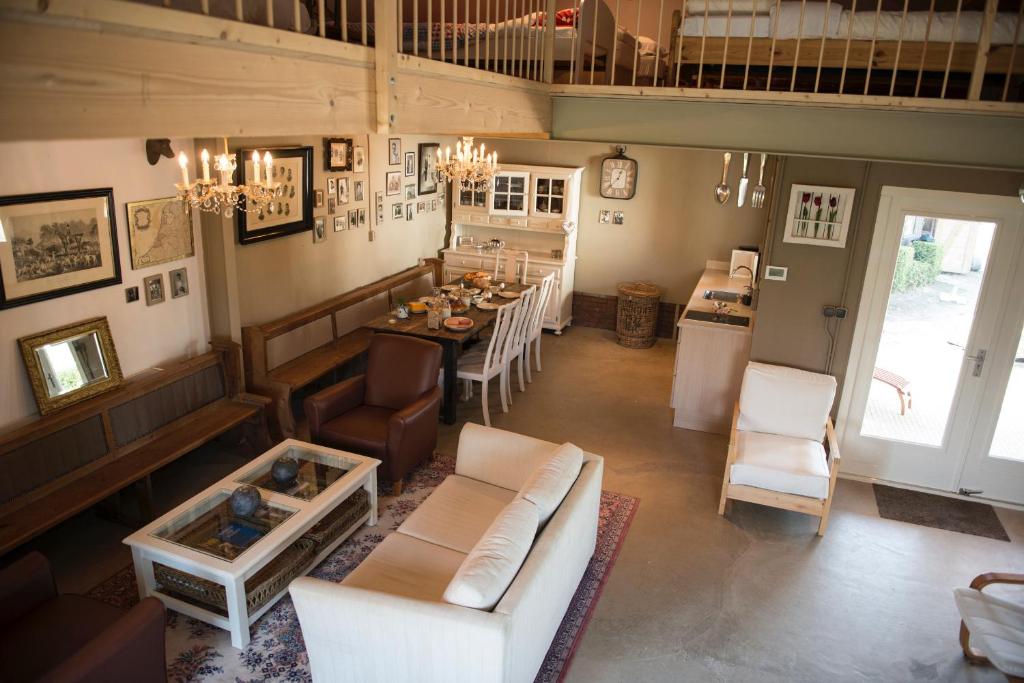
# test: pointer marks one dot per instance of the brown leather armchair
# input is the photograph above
(390, 413)
(56, 638)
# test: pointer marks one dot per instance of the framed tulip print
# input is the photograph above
(819, 215)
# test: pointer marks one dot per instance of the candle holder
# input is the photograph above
(221, 196)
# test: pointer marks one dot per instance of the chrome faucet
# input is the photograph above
(750, 285)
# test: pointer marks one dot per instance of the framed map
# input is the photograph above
(159, 231)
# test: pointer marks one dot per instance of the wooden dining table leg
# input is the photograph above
(451, 382)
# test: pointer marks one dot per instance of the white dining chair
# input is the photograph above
(540, 305)
(519, 334)
(483, 365)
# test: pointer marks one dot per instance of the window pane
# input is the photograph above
(1009, 439)
(501, 202)
(542, 186)
(518, 183)
(501, 183)
(558, 187)
(515, 202)
(556, 205)
(542, 204)
(480, 199)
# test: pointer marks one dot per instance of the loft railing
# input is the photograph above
(909, 51)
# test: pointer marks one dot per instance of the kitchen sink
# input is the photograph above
(725, 319)
(719, 295)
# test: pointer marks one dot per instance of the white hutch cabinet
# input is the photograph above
(533, 209)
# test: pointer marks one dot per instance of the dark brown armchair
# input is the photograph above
(390, 413)
(56, 638)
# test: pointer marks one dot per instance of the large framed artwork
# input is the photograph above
(58, 243)
(428, 168)
(293, 208)
(159, 231)
(819, 215)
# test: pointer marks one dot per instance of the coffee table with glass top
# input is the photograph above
(203, 560)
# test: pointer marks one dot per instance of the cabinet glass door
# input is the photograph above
(548, 196)
(477, 198)
(509, 195)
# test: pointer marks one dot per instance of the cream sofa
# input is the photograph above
(389, 619)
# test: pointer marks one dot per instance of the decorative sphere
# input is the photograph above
(245, 500)
(285, 470)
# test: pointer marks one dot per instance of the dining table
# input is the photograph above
(452, 341)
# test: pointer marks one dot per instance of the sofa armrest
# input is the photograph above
(359, 634)
(24, 585)
(498, 457)
(324, 406)
(132, 649)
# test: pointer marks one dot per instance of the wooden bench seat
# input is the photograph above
(898, 382)
(114, 440)
(343, 342)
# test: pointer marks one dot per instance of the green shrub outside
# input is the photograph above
(917, 265)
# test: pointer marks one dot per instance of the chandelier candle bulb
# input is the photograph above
(183, 162)
(205, 156)
(256, 168)
(268, 161)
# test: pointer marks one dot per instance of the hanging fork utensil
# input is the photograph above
(757, 198)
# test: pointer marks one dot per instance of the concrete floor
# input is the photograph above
(755, 596)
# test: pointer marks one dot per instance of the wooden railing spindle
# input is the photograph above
(821, 48)
(297, 16)
(576, 43)
(899, 48)
(796, 51)
(952, 45)
(416, 25)
(322, 20)
(725, 44)
(239, 10)
(703, 41)
(679, 41)
(775, 31)
(430, 31)
(593, 43)
(270, 13)
(343, 19)
(615, 44)
(924, 47)
(846, 53)
(981, 55)
(871, 52)
(636, 41)
(750, 43)
(657, 44)
(1013, 53)
(476, 55)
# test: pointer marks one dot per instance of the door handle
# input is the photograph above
(979, 362)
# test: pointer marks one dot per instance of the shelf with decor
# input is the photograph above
(534, 211)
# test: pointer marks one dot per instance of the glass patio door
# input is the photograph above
(932, 347)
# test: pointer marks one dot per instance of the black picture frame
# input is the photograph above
(107, 194)
(427, 157)
(303, 221)
(328, 145)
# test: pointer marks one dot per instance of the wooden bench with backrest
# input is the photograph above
(291, 353)
(59, 465)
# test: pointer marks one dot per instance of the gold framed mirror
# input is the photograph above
(70, 364)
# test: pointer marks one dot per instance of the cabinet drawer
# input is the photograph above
(497, 220)
(463, 217)
(538, 271)
(518, 222)
(456, 261)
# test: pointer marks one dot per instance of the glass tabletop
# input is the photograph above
(211, 526)
(316, 472)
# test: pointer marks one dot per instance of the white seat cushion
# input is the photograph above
(492, 564)
(457, 513)
(780, 463)
(780, 400)
(406, 566)
(552, 479)
(996, 626)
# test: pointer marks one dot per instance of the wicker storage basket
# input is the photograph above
(637, 314)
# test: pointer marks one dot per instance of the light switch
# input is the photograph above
(776, 273)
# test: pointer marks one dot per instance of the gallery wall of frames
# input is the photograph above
(91, 231)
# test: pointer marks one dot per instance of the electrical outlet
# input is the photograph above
(841, 312)
(829, 311)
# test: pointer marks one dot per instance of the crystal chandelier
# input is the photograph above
(470, 168)
(220, 196)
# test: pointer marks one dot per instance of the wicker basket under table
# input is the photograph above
(637, 314)
(279, 572)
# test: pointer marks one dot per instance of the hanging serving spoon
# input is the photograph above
(722, 190)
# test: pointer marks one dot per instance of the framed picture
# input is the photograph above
(343, 191)
(319, 229)
(394, 151)
(337, 154)
(131, 295)
(178, 280)
(58, 243)
(362, 216)
(428, 168)
(340, 223)
(331, 204)
(318, 199)
(293, 209)
(410, 192)
(353, 219)
(332, 186)
(357, 190)
(421, 207)
(153, 286)
(819, 215)
(410, 164)
(408, 211)
(396, 211)
(159, 231)
(393, 185)
(433, 205)
(359, 160)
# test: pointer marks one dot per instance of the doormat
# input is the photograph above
(939, 512)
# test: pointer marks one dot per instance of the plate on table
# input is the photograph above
(509, 295)
(458, 324)
(459, 308)
(449, 288)
(488, 306)
(472, 291)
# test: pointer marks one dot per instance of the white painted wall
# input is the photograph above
(144, 336)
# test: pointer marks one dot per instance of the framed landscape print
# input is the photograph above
(159, 231)
(58, 243)
(428, 168)
(819, 215)
(293, 208)
(393, 185)
(337, 154)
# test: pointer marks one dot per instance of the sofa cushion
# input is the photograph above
(457, 513)
(780, 400)
(492, 564)
(780, 463)
(406, 566)
(552, 479)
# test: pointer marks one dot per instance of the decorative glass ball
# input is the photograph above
(284, 470)
(245, 500)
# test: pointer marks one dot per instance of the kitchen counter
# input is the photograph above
(719, 280)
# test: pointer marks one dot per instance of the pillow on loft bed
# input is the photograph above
(714, 7)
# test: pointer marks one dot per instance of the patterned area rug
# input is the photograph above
(199, 652)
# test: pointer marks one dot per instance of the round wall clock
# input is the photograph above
(618, 176)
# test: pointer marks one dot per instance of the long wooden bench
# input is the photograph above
(59, 465)
(291, 353)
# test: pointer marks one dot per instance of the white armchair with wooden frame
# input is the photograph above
(776, 453)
